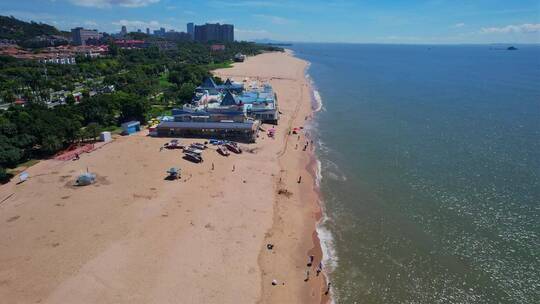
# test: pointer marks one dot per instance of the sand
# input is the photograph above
(134, 237)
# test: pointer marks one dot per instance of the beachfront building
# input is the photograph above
(257, 102)
(261, 104)
(238, 131)
(210, 86)
(226, 111)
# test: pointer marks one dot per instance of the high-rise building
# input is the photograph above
(81, 35)
(123, 32)
(147, 31)
(214, 32)
(191, 30)
(160, 33)
(226, 33)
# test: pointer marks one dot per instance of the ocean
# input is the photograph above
(429, 171)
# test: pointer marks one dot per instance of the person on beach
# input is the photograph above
(310, 262)
(299, 179)
(307, 276)
(212, 166)
(319, 268)
(327, 289)
(233, 168)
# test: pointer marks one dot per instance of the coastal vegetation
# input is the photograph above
(147, 82)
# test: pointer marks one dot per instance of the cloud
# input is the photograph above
(458, 25)
(31, 16)
(242, 31)
(90, 23)
(111, 3)
(521, 28)
(140, 24)
(251, 34)
(273, 19)
(244, 3)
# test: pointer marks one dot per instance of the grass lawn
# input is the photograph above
(164, 80)
(159, 110)
(23, 166)
(224, 65)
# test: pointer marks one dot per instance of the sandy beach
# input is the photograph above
(134, 237)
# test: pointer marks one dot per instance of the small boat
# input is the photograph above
(172, 146)
(193, 157)
(198, 146)
(192, 150)
(223, 151)
(216, 142)
(233, 147)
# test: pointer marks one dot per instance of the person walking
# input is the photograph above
(319, 268)
(310, 262)
(307, 276)
(327, 288)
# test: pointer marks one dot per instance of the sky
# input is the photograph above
(359, 21)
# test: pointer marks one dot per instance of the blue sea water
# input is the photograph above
(430, 162)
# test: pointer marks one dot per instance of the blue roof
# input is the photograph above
(131, 123)
(229, 100)
(208, 125)
(208, 82)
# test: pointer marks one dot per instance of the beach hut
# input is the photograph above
(131, 127)
(105, 136)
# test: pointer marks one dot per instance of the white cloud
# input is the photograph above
(90, 23)
(521, 28)
(250, 34)
(458, 25)
(110, 3)
(137, 24)
(242, 31)
(244, 3)
(30, 16)
(273, 19)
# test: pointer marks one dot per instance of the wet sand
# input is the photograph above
(134, 237)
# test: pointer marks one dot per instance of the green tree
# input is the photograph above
(113, 49)
(186, 92)
(70, 100)
(92, 131)
(4, 176)
(51, 144)
(9, 154)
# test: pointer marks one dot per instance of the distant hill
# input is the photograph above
(15, 29)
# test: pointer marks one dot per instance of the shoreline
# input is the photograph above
(311, 214)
